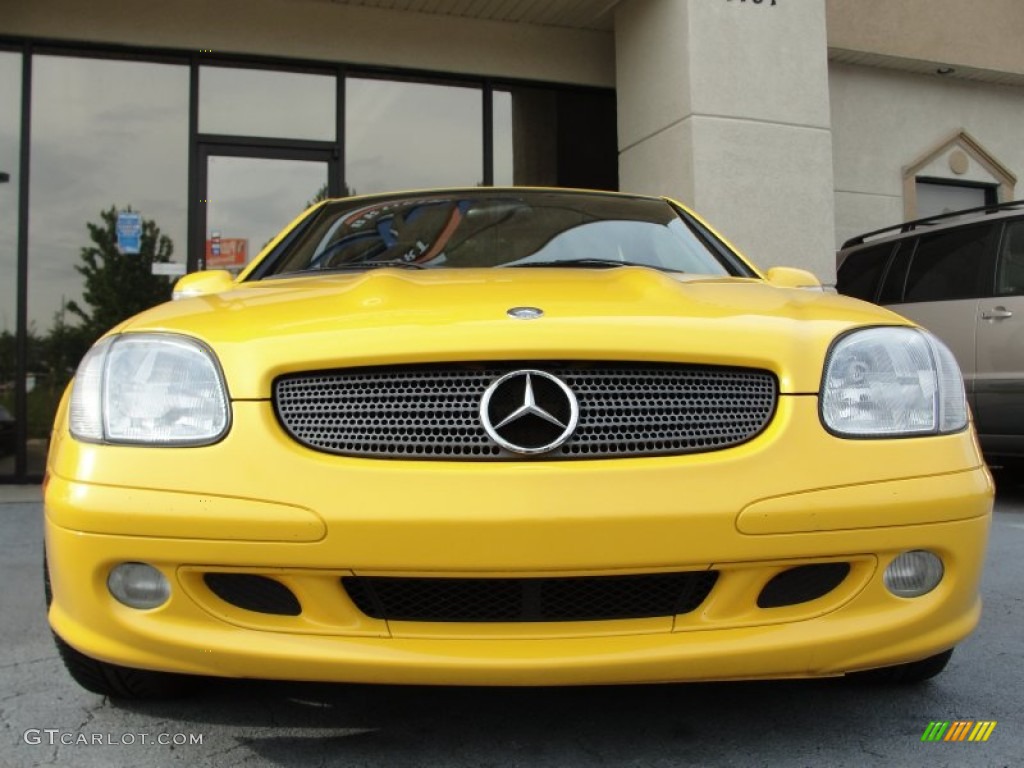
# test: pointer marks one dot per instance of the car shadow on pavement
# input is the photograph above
(295, 724)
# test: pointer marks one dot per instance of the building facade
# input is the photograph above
(207, 125)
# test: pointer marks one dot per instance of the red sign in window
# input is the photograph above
(226, 252)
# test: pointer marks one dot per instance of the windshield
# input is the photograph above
(502, 228)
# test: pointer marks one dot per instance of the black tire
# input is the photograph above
(1008, 474)
(121, 682)
(905, 674)
(112, 680)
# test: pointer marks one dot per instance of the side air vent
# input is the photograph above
(251, 592)
(802, 584)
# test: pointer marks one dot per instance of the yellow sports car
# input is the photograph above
(511, 437)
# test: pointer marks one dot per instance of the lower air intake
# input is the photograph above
(802, 584)
(585, 598)
(253, 593)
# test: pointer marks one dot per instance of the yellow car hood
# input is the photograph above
(265, 328)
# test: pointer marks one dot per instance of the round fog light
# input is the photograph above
(913, 573)
(138, 585)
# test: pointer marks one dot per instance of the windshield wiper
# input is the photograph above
(369, 265)
(606, 263)
(348, 267)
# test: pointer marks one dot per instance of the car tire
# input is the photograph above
(905, 674)
(112, 680)
(119, 682)
(1008, 474)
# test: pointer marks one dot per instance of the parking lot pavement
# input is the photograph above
(47, 720)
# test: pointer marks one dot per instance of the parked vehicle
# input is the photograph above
(511, 437)
(961, 275)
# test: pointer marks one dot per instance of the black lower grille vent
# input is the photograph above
(253, 593)
(582, 598)
(802, 584)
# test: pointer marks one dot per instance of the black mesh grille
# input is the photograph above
(253, 593)
(802, 584)
(584, 598)
(433, 412)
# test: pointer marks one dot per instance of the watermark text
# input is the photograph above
(55, 736)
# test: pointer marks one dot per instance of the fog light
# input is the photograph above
(138, 585)
(914, 573)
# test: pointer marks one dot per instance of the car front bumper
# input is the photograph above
(259, 504)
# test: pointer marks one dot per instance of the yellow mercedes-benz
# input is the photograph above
(511, 437)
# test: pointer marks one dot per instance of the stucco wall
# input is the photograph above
(980, 34)
(883, 120)
(725, 107)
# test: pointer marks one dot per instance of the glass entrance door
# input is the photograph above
(249, 198)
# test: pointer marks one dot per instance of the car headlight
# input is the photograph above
(149, 389)
(892, 382)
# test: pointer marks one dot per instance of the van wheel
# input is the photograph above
(905, 674)
(110, 679)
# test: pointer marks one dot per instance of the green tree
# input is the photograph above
(321, 194)
(119, 285)
(61, 350)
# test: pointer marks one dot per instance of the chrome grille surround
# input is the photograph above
(432, 411)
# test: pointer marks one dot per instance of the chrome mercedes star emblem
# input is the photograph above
(529, 411)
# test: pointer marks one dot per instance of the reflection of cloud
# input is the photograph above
(103, 133)
(254, 198)
(288, 105)
(412, 135)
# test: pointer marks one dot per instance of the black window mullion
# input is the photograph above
(21, 301)
(196, 208)
(337, 183)
(488, 129)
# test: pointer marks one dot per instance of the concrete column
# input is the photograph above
(724, 105)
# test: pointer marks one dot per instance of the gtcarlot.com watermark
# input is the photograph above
(54, 736)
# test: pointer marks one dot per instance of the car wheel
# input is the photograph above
(905, 674)
(112, 680)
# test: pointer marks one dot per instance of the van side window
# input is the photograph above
(1010, 274)
(861, 272)
(896, 277)
(954, 264)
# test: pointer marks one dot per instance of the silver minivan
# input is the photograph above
(961, 275)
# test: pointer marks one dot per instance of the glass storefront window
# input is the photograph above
(259, 102)
(10, 135)
(550, 137)
(251, 199)
(411, 135)
(107, 137)
(525, 149)
(110, 140)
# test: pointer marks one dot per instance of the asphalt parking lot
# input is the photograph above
(47, 720)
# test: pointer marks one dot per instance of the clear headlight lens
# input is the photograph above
(149, 389)
(890, 382)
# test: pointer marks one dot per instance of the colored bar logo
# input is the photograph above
(958, 730)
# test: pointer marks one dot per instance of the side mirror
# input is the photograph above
(203, 284)
(790, 277)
